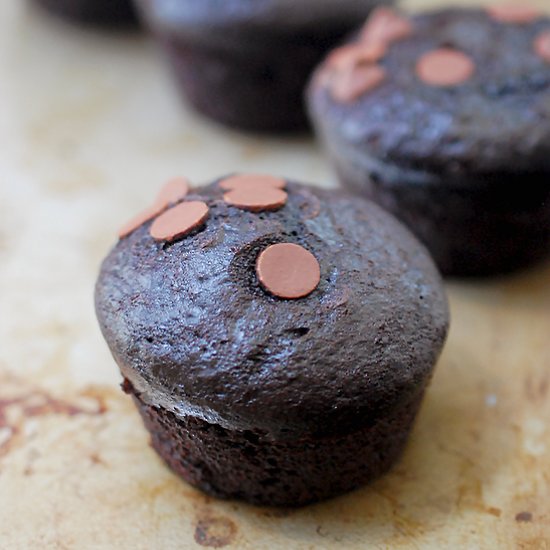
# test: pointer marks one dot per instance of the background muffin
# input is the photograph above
(444, 119)
(104, 12)
(277, 339)
(244, 63)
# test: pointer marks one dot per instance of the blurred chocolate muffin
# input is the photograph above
(444, 120)
(277, 339)
(95, 12)
(245, 63)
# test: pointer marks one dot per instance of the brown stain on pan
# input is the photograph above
(494, 511)
(8, 431)
(524, 517)
(536, 389)
(215, 531)
(7, 437)
(36, 402)
(40, 403)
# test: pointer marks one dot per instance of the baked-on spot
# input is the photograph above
(385, 26)
(514, 12)
(288, 271)
(256, 199)
(215, 532)
(179, 221)
(524, 517)
(245, 181)
(445, 67)
(542, 46)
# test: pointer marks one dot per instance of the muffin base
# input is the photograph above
(97, 12)
(258, 89)
(489, 225)
(251, 466)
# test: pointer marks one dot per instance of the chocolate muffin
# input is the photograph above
(246, 63)
(444, 120)
(97, 12)
(277, 339)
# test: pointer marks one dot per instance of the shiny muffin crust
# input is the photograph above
(454, 138)
(216, 358)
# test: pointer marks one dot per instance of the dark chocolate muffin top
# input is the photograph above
(260, 13)
(290, 311)
(225, 21)
(449, 92)
(95, 12)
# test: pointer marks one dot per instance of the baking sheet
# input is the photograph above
(90, 125)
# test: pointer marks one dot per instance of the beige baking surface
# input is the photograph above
(89, 127)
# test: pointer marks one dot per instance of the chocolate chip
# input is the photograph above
(288, 271)
(256, 199)
(350, 85)
(173, 191)
(542, 45)
(386, 26)
(445, 67)
(241, 181)
(348, 57)
(179, 221)
(138, 220)
(514, 12)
